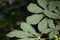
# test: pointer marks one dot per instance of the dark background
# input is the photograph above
(8, 21)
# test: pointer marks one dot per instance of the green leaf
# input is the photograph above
(47, 30)
(43, 24)
(19, 34)
(42, 3)
(53, 5)
(51, 14)
(57, 27)
(52, 34)
(34, 19)
(27, 27)
(48, 1)
(51, 23)
(34, 8)
(27, 39)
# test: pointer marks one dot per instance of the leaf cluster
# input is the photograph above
(44, 18)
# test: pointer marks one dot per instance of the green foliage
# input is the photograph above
(44, 17)
(42, 3)
(42, 26)
(27, 27)
(34, 19)
(53, 5)
(50, 11)
(56, 37)
(19, 34)
(34, 8)
(54, 32)
(27, 33)
(51, 14)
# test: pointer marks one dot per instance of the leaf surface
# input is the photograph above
(53, 5)
(51, 23)
(34, 19)
(27, 27)
(46, 30)
(42, 3)
(57, 27)
(19, 34)
(43, 24)
(52, 34)
(51, 14)
(34, 8)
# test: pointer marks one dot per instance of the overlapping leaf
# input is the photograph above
(53, 5)
(57, 27)
(52, 34)
(42, 3)
(42, 26)
(47, 30)
(27, 27)
(19, 34)
(51, 23)
(51, 14)
(34, 19)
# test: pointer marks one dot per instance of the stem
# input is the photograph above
(58, 22)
